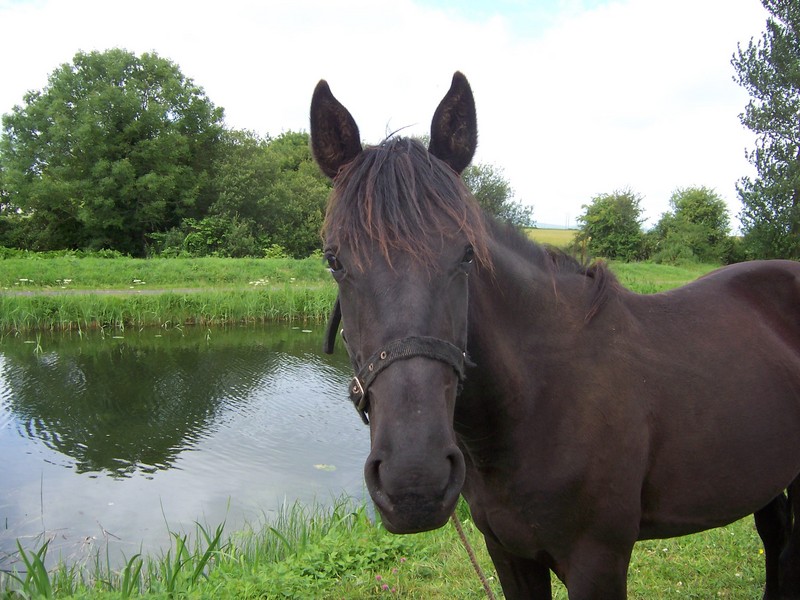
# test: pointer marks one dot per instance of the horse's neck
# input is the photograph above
(523, 313)
(525, 295)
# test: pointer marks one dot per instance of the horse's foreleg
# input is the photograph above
(773, 525)
(597, 571)
(521, 578)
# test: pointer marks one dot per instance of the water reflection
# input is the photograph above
(117, 435)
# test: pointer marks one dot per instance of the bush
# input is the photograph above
(611, 226)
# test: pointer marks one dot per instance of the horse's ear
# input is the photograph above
(454, 129)
(335, 140)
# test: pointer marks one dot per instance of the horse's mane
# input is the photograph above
(556, 261)
(400, 197)
(403, 199)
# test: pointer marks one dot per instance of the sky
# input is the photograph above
(575, 98)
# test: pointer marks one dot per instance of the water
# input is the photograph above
(112, 442)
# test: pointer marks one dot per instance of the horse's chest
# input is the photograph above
(523, 524)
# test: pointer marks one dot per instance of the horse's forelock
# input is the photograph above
(402, 199)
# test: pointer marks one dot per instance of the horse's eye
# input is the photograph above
(469, 256)
(333, 263)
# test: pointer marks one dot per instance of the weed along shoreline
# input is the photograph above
(66, 293)
(307, 551)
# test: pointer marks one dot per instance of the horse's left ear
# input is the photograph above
(335, 140)
(454, 129)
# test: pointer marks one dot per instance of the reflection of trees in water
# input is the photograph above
(131, 405)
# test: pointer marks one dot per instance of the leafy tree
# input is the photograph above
(113, 148)
(769, 69)
(276, 187)
(611, 226)
(697, 228)
(493, 192)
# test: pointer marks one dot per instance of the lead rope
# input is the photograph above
(472, 558)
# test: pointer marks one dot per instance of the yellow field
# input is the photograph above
(555, 237)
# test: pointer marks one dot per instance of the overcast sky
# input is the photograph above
(575, 97)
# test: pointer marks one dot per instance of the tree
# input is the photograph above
(113, 148)
(275, 185)
(611, 226)
(697, 228)
(769, 70)
(493, 192)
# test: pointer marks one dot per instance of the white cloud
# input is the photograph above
(634, 93)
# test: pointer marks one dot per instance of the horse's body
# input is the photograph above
(592, 417)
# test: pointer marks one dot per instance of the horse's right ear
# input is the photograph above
(335, 140)
(454, 129)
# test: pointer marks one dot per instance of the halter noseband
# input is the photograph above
(402, 349)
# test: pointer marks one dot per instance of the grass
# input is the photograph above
(342, 553)
(39, 273)
(649, 278)
(72, 293)
(561, 238)
(306, 553)
(288, 302)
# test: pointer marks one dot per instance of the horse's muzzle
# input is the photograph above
(415, 497)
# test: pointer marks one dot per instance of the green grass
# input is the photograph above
(37, 272)
(288, 302)
(71, 293)
(341, 553)
(649, 278)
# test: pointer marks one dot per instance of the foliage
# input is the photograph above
(696, 229)
(611, 226)
(269, 199)
(769, 69)
(208, 291)
(114, 147)
(288, 559)
(493, 192)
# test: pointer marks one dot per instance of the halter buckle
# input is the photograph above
(358, 396)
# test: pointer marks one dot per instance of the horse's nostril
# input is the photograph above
(372, 472)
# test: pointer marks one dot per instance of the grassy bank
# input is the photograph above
(72, 293)
(37, 273)
(342, 553)
(289, 302)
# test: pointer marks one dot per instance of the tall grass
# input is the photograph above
(307, 552)
(340, 552)
(289, 302)
(120, 293)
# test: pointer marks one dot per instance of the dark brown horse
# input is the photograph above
(575, 417)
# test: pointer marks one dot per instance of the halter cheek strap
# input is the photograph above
(409, 347)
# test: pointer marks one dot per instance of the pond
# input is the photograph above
(112, 441)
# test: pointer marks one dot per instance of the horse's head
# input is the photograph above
(402, 234)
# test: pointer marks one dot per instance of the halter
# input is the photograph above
(402, 349)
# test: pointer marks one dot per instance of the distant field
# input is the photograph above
(555, 237)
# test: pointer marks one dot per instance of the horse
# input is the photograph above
(574, 416)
